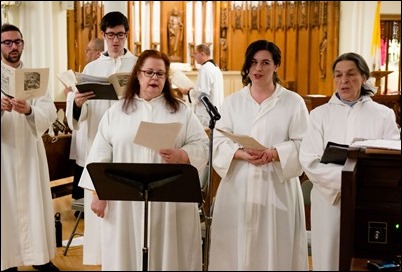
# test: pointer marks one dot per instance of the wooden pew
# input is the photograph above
(58, 156)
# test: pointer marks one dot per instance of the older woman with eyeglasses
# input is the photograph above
(174, 228)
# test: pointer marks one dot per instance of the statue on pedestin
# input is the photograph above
(175, 35)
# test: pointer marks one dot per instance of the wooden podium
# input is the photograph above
(370, 207)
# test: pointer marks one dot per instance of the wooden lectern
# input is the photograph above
(370, 207)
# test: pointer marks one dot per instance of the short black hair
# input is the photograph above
(112, 19)
(9, 27)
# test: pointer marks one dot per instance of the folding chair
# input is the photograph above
(77, 205)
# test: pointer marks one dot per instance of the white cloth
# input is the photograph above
(174, 228)
(78, 139)
(337, 122)
(87, 126)
(210, 82)
(27, 216)
(258, 219)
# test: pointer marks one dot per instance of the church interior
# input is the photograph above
(310, 34)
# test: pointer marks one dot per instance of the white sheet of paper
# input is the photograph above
(157, 136)
(243, 140)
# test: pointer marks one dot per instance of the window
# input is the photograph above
(390, 53)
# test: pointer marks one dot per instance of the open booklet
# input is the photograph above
(109, 88)
(24, 83)
(179, 79)
(243, 140)
(338, 153)
(157, 136)
(379, 144)
(67, 78)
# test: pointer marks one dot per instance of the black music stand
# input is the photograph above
(146, 182)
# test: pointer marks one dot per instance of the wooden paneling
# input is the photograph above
(83, 24)
(307, 33)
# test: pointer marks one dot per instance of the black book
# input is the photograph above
(101, 90)
(335, 153)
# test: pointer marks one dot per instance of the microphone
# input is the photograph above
(211, 109)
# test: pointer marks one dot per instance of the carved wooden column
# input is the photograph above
(223, 35)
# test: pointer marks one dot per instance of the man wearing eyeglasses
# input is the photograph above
(94, 49)
(27, 219)
(85, 112)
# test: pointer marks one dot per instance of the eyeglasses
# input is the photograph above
(119, 35)
(91, 49)
(10, 43)
(149, 73)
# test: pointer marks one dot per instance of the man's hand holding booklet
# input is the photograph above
(109, 88)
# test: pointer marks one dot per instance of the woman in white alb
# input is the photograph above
(174, 228)
(258, 219)
(343, 118)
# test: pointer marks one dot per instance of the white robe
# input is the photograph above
(87, 126)
(337, 122)
(258, 219)
(174, 228)
(210, 82)
(27, 216)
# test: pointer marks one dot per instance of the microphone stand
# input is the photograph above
(208, 214)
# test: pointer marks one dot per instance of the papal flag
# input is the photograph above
(376, 39)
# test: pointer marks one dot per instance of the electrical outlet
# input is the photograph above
(377, 232)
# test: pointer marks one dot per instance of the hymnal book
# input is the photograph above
(24, 83)
(335, 153)
(157, 136)
(243, 140)
(104, 91)
(104, 87)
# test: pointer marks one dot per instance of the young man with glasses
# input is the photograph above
(84, 112)
(27, 220)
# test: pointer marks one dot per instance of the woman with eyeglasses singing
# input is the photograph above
(84, 112)
(174, 229)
